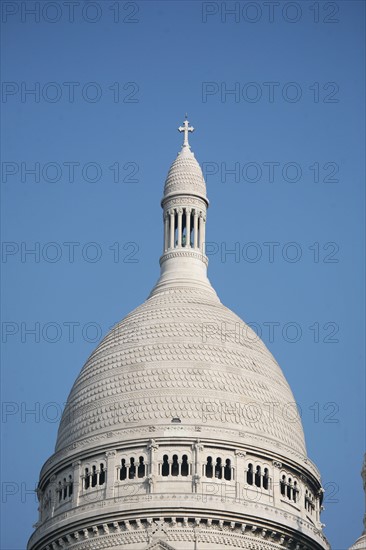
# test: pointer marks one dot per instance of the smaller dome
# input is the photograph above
(185, 176)
(360, 543)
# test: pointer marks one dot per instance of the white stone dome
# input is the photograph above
(185, 176)
(182, 355)
(180, 431)
(360, 543)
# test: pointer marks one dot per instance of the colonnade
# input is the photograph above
(184, 228)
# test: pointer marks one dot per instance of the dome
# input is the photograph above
(185, 176)
(182, 355)
(181, 430)
(360, 543)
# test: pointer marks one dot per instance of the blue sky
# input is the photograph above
(276, 95)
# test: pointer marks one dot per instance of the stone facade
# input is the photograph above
(180, 431)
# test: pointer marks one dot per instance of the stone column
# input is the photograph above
(53, 494)
(202, 232)
(41, 501)
(76, 480)
(179, 236)
(195, 229)
(166, 232)
(240, 473)
(171, 215)
(111, 473)
(197, 448)
(118, 470)
(320, 500)
(275, 484)
(188, 227)
(152, 447)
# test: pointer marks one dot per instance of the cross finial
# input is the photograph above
(186, 128)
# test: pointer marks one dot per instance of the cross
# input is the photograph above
(186, 128)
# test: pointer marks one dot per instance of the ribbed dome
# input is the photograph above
(164, 359)
(185, 176)
(360, 543)
(180, 430)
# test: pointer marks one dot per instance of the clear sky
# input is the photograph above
(275, 91)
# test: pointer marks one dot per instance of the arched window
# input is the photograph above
(132, 469)
(94, 477)
(184, 228)
(209, 467)
(185, 467)
(283, 485)
(265, 479)
(141, 467)
(87, 479)
(64, 488)
(123, 470)
(295, 491)
(101, 474)
(175, 228)
(257, 479)
(175, 466)
(218, 469)
(227, 470)
(250, 474)
(70, 486)
(59, 491)
(165, 468)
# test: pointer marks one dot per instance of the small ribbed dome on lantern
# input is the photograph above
(185, 176)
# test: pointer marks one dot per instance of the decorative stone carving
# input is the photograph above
(240, 454)
(196, 479)
(179, 253)
(198, 446)
(152, 445)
